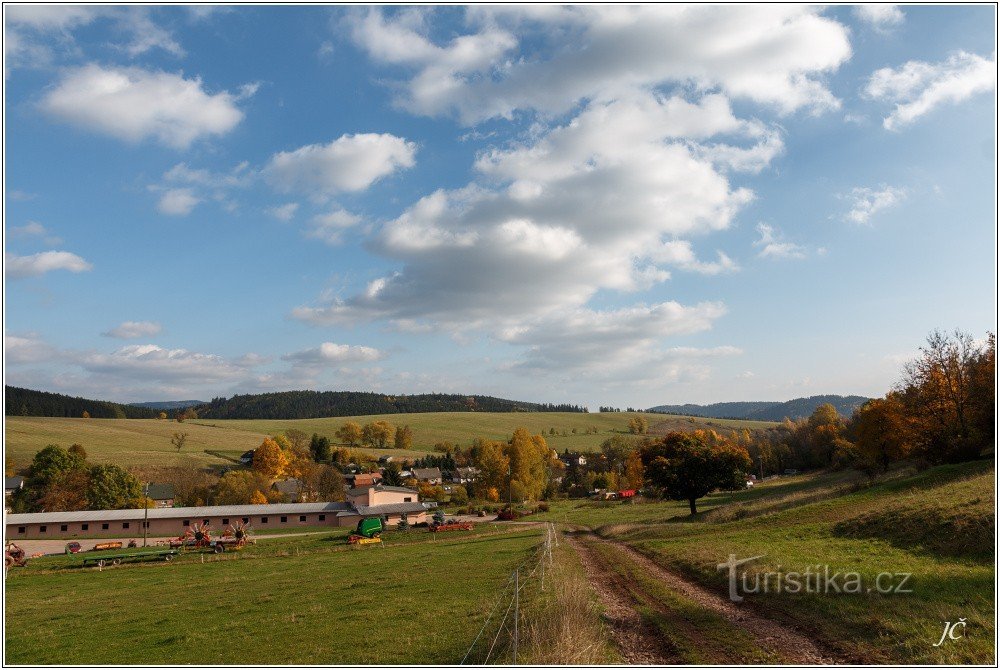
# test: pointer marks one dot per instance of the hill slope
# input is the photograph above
(161, 405)
(797, 408)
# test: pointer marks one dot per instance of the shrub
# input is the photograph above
(543, 507)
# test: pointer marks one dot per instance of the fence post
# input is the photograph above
(517, 605)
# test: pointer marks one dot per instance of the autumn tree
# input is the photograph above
(350, 434)
(111, 487)
(879, 430)
(66, 493)
(404, 438)
(635, 472)
(179, 440)
(529, 455)
(162, 416)
(685, 466)
(77, 451)
(269, 460)
(298, 438)
(377, 434)
(616, 450)
(237, 487)
(638, 425)
(258, 498)
(330, 484)
(86, 414)
(493, 465)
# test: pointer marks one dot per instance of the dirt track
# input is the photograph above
(640, 643)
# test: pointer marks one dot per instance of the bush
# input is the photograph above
(543, 507)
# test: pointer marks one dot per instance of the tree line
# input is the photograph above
(26, 402)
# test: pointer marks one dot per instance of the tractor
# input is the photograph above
(369, 531)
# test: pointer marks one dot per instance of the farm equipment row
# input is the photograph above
(199, 536)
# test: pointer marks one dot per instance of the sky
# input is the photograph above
(624, 206)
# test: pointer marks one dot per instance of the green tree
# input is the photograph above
(112, 487)
(319, 447)
(330, 486)
(392, 475)
(50, 464)
(459, 495)
(77, 451)
(685, 467)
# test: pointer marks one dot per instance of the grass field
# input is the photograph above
(937, 526)
(146, 442)
(306, 600)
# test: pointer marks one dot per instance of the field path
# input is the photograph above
(640, 643)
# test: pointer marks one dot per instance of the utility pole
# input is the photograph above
(517, 614)
(510, 488)
(145, 520)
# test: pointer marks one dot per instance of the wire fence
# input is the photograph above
(499, 639)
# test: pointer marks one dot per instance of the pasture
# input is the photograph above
(215, 442)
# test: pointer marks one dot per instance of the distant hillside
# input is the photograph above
(168, 404)
(26, 402)
(766, 411)
(315, 404)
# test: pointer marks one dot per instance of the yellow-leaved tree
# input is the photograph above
(269, 460)
(258, 498)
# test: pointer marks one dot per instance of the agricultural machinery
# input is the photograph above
(14, 556)
(369, 531)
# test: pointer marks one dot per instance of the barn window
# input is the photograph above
(284, 519)
(407, 499)
(246, 519)
(42, 529)
(105, 526)
(20, 529)
(263, 519)
(63, 528)
(187, 522)
(205, 522)
(322, 517)
(145, 524)
(225, 522)
(85, 526)
(302, 518)
(125, 525)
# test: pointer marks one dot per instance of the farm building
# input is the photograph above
(173, 521)
(432, 475)
(11, 485)
(162, 495)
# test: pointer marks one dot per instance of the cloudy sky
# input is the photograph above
(627, 206)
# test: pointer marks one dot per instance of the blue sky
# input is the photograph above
(625, 206)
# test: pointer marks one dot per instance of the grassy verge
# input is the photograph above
(307, 601)
(915, 516)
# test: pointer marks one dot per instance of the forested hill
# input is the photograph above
(168, 404)
(25, 402)
(316, 404)
(766, 411)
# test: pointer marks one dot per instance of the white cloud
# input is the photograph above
(151, 363)
(134, 104)
(284, 212)
(349, 163)
(27, 349)
(587, 206)
(146, 35)
(865, 202)
(918, 87)
(880, 16)
(18, 267)
(331, 226)
(771, 54)
(329, 353)
(615, 344)
(130, 330)
(35, 229)
(680, 254)
(177, 202)
(772, 244)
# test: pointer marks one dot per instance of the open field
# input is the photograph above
(301, 601)
(146, 442)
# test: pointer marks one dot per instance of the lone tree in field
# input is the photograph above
(687, 467)
(178, 440)
(350, 434)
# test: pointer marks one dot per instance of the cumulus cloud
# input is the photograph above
(770, 54)
(349, 163)
(133, 104)
(865, 202)
(329, 353)
(880, 16)
(130, 330)
(28, 348)
(773, 245)
(34, 229)
(680, 254)
(917, 87)
(177, 202)
(149, 362)
(588, 205)
(18, 267)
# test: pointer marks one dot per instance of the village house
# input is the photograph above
(363, 479)
(464, 475)
(431, 475)
(10, 486)
(390, 503)
(291, 488)
(162, 495)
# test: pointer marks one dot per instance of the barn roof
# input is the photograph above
(176, 512)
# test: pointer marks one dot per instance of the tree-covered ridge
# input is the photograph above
(798, 408)
(26, 402)
(316, 404)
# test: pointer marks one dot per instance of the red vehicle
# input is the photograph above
(73, 548)
(451, 525)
